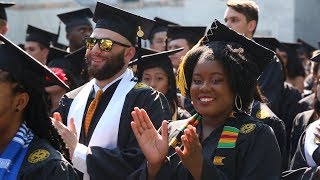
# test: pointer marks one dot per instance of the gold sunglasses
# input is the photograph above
(104, 44)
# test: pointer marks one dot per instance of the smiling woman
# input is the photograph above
(221, 141)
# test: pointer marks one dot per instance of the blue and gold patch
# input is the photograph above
(38, 155)
(140, 85)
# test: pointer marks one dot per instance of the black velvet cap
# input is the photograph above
(269, 42)
(316, 56)
(122, 22)
(306, 45)
(77, 61)
(291, 48)
(144, 51)
(56, 53)
(261, 55)
(24, 68)
(3, 5)
(156, 58)
(160, 26)
(41, 36)
(191, 33)
(76, 18)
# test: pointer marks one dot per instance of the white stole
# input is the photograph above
(106, 132)
(309, 143)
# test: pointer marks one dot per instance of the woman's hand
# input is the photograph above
(191, 156)
(153, 145)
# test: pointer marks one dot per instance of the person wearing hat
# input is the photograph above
(156, 71)
(78, 26)
(221, 141)
(242, 16)
(158, 35)
(3, 17)
(31, 147)
(101, 141)
(310, 80)
(38, 42)
(183, 36)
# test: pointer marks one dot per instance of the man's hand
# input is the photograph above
(68, 134)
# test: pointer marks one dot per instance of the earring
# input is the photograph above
(17, 110)
(236, 100)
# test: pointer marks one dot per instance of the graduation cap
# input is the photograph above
(145, 51)
(39, 35)
(24, 68)
(316, 56)
(261, 55)
(306, 46)
(3, 5)
(191, 33)
(77, 61)
(76, 18)
(158, 55)
(56, 55)
(269, 42)
(161, 25)
(291, 48)
(126, 24)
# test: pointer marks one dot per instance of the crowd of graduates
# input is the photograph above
(199, 102)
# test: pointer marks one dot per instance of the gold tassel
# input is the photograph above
(181, 78)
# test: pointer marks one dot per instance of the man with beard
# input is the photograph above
(78, 26)
(106, 146)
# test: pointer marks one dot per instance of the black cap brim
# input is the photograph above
(24, 67)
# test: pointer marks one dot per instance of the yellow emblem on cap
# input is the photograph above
(262, 114)
(217, 160)
(140, 85)
(247, 128)
(38, 155)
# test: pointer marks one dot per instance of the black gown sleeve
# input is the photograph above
(118, 163)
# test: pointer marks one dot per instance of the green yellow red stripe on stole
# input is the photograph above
(228, 137)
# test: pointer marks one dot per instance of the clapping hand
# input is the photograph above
(191, 156)
(153, 145)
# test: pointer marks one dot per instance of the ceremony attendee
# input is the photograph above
(31, 148)
(221, 141)
(38, 43)
(78, 26)
(102, 144)
(4, 27)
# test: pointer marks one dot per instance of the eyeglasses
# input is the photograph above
(104, 44)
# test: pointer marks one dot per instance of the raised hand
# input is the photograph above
(68, 134)
(191, 156)
(153, 145)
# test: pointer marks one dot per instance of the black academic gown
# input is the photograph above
(307, 102)
(42, 161)
(255, 156)
(264, 113)
(119, 162)
(299, 169)
(300, 123)
(271, 84)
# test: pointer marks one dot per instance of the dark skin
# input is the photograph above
(76, 36)
(212, 97)
(11, 109)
